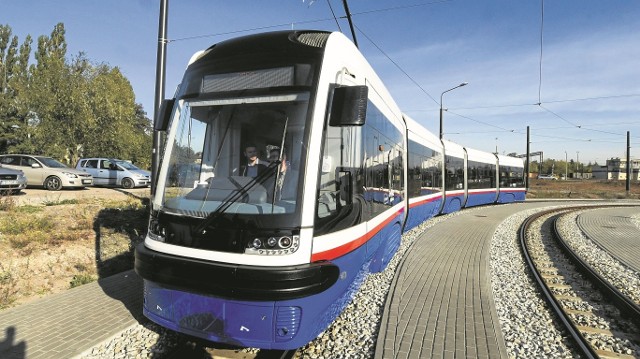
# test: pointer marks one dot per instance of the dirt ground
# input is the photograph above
(52, 241)
(589, 189)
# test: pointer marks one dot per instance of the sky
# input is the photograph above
(566, 69)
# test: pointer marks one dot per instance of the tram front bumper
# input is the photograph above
(233, 281)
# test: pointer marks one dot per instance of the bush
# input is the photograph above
(80, 279)
(7, 203)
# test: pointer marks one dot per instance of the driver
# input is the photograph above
(254, 166)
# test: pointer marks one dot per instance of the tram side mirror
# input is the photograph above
(164, 115)
(349, 106)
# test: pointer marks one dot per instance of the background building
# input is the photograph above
(616, 169)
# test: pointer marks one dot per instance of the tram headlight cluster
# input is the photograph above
(273, 245)
(157, 231)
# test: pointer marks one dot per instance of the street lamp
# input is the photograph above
(451, 89)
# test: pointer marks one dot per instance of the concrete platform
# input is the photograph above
(614, 231)
(66, 324)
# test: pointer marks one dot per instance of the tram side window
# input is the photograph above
(414, 182)
(511, 176)
(384, 184)
(424, 170)
(480, 175)
(454, 168)
(431, 173)
(341, 161)
(371, 157)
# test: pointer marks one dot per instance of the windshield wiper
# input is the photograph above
(235, 195)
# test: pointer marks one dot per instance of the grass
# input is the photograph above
(8, 286)
(27, 209)
(16, 224)
(59, 202)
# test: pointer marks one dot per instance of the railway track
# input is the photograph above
(600, 319)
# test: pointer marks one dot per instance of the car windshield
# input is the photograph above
(126, 165)
(50, 162)
(234, 155)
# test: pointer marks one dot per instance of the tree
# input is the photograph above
(67, 109)
(13, 76)
(121, 125)
(57, 99)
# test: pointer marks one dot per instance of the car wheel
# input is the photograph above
(127, 183)
(53, 183)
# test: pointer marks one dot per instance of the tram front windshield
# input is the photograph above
(234, 156)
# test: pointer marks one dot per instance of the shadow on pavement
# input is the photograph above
(9, 349)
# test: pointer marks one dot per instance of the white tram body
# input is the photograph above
(271, 259)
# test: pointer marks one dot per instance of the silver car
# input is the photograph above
(46, 172)
(11, 181)
(114, 172)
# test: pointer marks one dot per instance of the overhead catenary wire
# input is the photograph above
(481, 122)
(540, 79)
(396, 65)
(334, 15)
(541, 103)
(333, 18)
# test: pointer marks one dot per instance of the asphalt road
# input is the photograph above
(37, 196)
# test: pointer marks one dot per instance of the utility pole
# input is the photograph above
(629, 171)
(161, 58)
(526, 163)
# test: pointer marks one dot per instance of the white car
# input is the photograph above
(46, 172)
(546, 177)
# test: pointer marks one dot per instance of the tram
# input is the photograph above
(270, 259)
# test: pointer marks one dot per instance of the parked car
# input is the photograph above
(114, 172)
(47, 172)
(11, 181)
(547, 177)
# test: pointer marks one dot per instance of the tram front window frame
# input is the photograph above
(206, 145)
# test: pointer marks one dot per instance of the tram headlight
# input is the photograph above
(285, 242)
(157, 231)
(273, 245)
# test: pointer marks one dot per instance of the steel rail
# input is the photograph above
(621, 301)
(571, 328)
